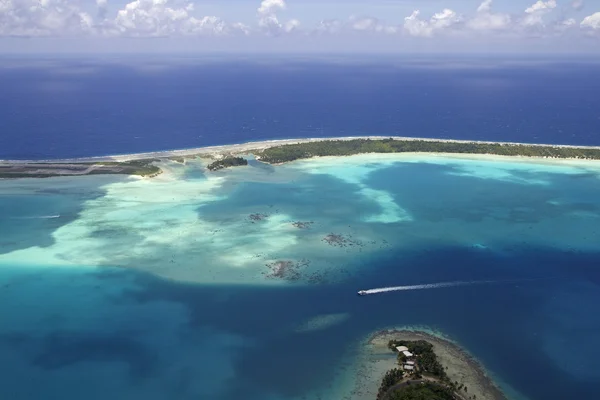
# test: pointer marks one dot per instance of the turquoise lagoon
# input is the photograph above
(163, 288)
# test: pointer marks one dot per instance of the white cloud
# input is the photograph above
(444, 19)
(271, 6)
(367, 24)
(329, 26)
(564, 25)
(485, 19)
(535, 12)
(155, 18)
(267, 13)
(354, 24)
(291, 25)
(241, 28)
(591, 21)
(485, 7)
(440, 21)
(208, 25)
(268, 20)
(416, 26)
(540, 6)
(42, 18)
(159, 18)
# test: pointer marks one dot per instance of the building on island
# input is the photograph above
(404, 350)
(408, 366)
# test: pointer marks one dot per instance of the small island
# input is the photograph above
(343, 147)
(420, 374)
(226, 163)
(411, 364)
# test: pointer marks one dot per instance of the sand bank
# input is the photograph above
(573, 162)
(449, 158)
(260, 145)
(376, 359)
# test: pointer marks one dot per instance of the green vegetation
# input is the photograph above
(428, 381)
(423, 350)
(391, 378)
(143, 167)
(227, 162)
(422, 391)
(291, 152)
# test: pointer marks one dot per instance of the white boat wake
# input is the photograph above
(39, 217)
(443, 285)
(425, 286)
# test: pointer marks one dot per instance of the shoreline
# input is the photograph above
(376, 359)
(464, 156)
(261, 145)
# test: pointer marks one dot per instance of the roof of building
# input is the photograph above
(410, 362)
(402, 348)
(407, 353)
(409, 366)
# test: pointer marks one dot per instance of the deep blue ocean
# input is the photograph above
(148, 289)
(69, 107)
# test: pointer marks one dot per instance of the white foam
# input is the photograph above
(425, 286)
(440, 285)
(39, 217)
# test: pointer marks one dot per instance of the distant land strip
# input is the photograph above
(291, 152)
(281, 151)
(144, 167)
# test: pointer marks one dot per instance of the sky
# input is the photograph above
(306, 26)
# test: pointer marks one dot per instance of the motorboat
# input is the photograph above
(362, 293)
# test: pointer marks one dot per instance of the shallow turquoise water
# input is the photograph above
(158, 288)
